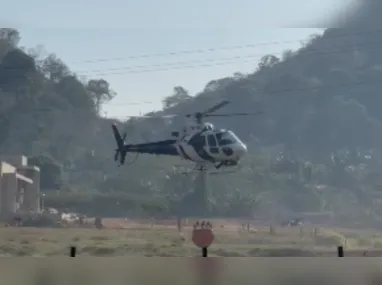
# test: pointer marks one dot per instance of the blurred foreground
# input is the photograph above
(190, 271)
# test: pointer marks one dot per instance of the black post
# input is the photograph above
(72, 251)
(204, 252)
(340, 251)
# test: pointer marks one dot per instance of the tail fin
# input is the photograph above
(118, 138)
(121, 145)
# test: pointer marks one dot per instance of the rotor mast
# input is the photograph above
(199, 118)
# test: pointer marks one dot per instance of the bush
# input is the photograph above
(100, 204)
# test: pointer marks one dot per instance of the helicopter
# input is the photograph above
(200, 142)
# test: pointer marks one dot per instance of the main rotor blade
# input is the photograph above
(234, 114)
(152, 117)
(216, 107)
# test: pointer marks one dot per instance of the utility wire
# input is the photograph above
(232, 58)
(260, 92)
(309, 51)
(327, 87)
(214, 49)
(229, 60)
(204, 63)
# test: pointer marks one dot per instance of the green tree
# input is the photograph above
(54, 68)
(9, 39)
(179, 95)
(51, 172)
(100, 92)
(268, 61)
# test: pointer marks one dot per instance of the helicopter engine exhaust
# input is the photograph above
(120, 152)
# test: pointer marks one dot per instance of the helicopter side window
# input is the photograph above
(198, 141)
(211, 140)
(212, 144)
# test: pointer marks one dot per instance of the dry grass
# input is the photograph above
(145, 238)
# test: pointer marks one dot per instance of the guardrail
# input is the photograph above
(340, 252)
(315, 242)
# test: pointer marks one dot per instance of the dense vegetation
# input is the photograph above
(317, 147)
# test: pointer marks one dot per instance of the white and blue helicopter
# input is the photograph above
(201, 143)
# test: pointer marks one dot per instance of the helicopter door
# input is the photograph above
(212, 144)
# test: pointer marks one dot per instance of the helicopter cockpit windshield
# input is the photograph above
(226, 138)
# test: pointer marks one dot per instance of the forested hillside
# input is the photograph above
(316, 148)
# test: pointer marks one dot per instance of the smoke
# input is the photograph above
(363, 14)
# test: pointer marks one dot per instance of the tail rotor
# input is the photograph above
(120, 152)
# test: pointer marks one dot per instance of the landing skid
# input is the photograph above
(200, 168)
(223, 172)
(226, 170)
(226, 163)
(209, 169)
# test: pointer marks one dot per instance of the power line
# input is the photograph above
(197, 51)
(189, 64)
(233, 60)
(255, 56)
(228, 60)
(185, 52)
(286, 90)
(223, 63)
(293, 90)
(217, 49)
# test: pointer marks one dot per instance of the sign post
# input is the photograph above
(202, 236)
(72, 251)
(208, 269)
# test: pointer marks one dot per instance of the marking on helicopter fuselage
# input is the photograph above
(204, 155)
(184, 154)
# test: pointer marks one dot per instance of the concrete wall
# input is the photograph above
(6, 168)
(32, 190)
(19, 186)
(15, 160)
(8, 194)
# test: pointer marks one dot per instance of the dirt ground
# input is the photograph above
(127, 237)
(186, 223)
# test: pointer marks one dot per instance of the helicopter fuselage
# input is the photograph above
(206, 146)
(200, 142)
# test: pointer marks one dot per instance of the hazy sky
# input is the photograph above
(101, 39)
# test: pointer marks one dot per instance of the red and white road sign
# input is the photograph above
(202, 237)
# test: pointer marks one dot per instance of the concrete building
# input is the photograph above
(19, 186)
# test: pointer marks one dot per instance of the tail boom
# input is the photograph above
(166, 147)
